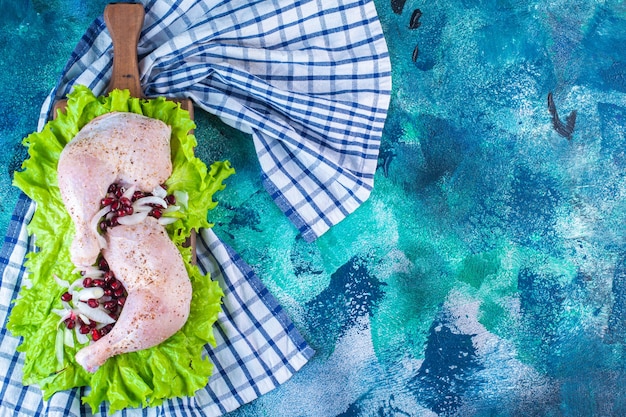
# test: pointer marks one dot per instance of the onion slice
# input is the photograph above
(134, 218)
(58, 346)
(151, 199)
(95, 314)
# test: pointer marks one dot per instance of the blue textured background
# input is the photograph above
(486, 275)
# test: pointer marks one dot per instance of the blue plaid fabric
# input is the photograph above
(310, 81)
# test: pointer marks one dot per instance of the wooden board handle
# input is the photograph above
(124, 22)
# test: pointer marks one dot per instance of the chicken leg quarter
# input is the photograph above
(159, 291)
(115, 147)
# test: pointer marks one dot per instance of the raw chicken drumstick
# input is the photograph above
(116, 147)
(134, 150)
(159, 292)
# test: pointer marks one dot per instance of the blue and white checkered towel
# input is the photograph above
(311, 82)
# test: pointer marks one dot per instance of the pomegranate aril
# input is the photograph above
(107, 201)
(116, 205)
(88, 282)
(111, 306)
(138, 194)
(125, 201)
(84, 329)
(106, 329)
(103, 225)
(69, 323)
(103, 264)
(120, 192)
(112, 188)
(121, 301)
(118, 292)
(98, 282)
(95, 334)
(115, 284)
(108, 292)
(171, 199)
(93, 324)
(93, 303)
(66, 296)
(156, 213)
(129, 210)
(109, 277)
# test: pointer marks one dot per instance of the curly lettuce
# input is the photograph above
(174, 368)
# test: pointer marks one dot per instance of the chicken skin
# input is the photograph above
(115, 147)
(159, 291)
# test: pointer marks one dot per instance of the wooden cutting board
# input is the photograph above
(124, 22)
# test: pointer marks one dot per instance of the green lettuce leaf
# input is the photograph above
(175, 368)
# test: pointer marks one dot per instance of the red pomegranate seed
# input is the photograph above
(118, 293)
(95, 334)
(107, 201)
(121, 212)
(103, 226)
(109, 276)
(129, 210)
(93, 324)
(108, 292)
(93, 303)
(115, 284)
(66, 296)
(171, 199)
(120, 191)
(137, 195)
(112, 188)
(111, 306)
(98, 282)
(125, 201)
(70, 324)
(88, 282)
(121, 301)
(116, 205)
(84, 329)
(103, 264)
(156, 213)
(114, 316)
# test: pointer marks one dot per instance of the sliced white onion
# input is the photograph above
(58, 347)
(95, 220)
(61, 312)
(182, 198)
(63, 283)
(84, 318)
(159, 191)
(96, 314)
(134, 218)
(151, 199)
(164, 221)
(130, 191)
(92, 292)
(171, 209)
(93, 273)
(68, 337)
(81, 338)
(76, 284)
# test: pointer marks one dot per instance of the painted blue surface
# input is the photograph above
(486, 275)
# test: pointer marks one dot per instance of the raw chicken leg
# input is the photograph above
(151, 268)
(116, 147)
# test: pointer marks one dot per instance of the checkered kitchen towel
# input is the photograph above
(310, 81)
